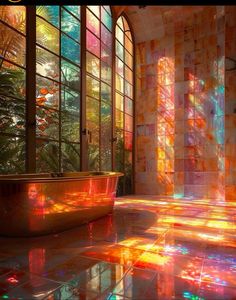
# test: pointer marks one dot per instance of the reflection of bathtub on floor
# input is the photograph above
(38, 204)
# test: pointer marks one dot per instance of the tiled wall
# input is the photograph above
(180, 95)
(230, 104)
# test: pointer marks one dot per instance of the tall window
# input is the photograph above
(50, 110)
(124, 103)
(98, 86)
(12, 89)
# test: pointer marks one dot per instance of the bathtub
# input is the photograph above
(37, 204)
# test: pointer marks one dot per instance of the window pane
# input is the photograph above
(106, 73)
(47, 156)
(119, 119)
(108, 9)
(93, 23)
(70, 155)
(119, 50)
(128, 45)
(95, 9)
(70, 127)
(49, 13)
(47, 123)
(128, 89)
(92, 87)
(106, 19)
(47, 92)
(92, 43)
(47, 64)
(47, 35)
(128, 106)
(74, 9)
(128, 60)
(106, 92)
(106, 55)
(12, 80)
(92, 64)
(120, 35)
(12, 45)
(106, 36)
(70, 100)
(12, 158)
(119, 67)
(128, 123)
(12, 115)
(119, 156)
(128, 140)
(70, 25)
(128, 74)
(105, 136)
(14, 16)
(119, 102)
(70, 49)
(119, 83)
(70, 75)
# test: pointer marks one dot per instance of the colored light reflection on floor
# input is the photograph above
(149, 248)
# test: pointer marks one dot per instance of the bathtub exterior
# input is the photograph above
(38, 204)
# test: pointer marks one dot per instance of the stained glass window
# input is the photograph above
(124, 103)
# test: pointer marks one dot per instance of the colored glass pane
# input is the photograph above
(93, 23)
(92, 43)
(70, 49)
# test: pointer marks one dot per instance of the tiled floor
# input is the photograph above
(150, 248)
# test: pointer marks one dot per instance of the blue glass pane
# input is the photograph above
(49, 13)
(70, 74)
(75, 10)
(106, 19)
(70, 100)
(70, 25)
(70, 49)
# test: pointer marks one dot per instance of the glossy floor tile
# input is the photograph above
(149, 248)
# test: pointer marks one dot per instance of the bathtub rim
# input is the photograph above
(47, 177)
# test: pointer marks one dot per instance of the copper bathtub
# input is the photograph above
(37, 204)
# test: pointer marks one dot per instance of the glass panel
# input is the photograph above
(128, 106)
(70, 127)
(92, 87)
(128, 89)
(106, 93)
(92, 64)
(106, 36)
(92, 120)
(74, 9)
(47, 64)
(47, 156)
(47, 35)
(70, 25)
(120, 23)
(119, 50)
(12, 45)
(14, 16)
(128, 74)
(108, 9)
(128, 60)
(49, 13)
(119, 153)
(70, 100)
(105, 136)
(106, 55)
(70, 155)
(128, 33)
(92, 43)
(106, 73)
(126, 26)
(12, 80)
(128, 140)
(128, 45)
(70, 75)
(119, 83)
(106, 19)
(128, 172)
(47, 92)
(93, 23)
(12, 115)
(120, 35)
(119, 67)
(47, 123)
(119, 102)
(70, 49)
(128, 123)
(119, 119)
(12, 158)
(95, 9)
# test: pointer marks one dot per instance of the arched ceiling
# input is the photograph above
(152, 21)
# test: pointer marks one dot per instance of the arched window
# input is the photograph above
(124, 103)
(58, 86)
